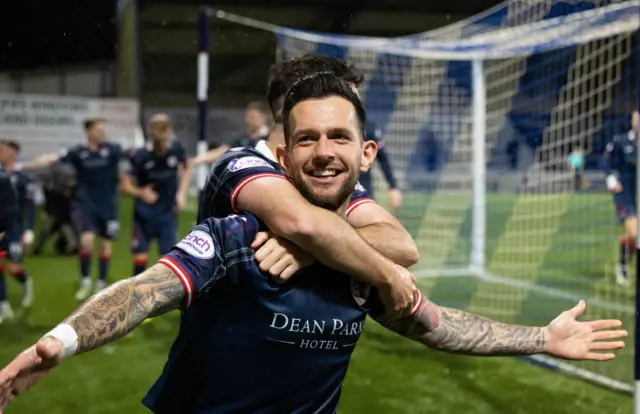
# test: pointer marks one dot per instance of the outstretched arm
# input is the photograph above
(41, 161)
(456, 331)
(123, 306)
(210, 156)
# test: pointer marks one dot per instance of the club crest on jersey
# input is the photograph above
(198, 244)
(104, 152)
(360, 291)
(248, 162)
(172, 161)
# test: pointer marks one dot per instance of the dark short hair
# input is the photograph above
(284, 74)
(12, 144)
(319, 86)
(90, 122)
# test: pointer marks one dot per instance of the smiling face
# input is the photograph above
(325, 151)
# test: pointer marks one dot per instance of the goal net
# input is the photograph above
(479, 119)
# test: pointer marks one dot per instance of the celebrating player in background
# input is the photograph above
(8, 203)
(394, 197)
(621, 157)
(159, 181)
(256, 122)
(248, 345)
(250, 179)
(95, 208)
(20, 232)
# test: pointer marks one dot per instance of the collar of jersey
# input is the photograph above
(263, 149)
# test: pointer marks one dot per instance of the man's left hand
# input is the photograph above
(27, 238)
(568, 338)
(394, 198)
(181, 201)
(279, 257)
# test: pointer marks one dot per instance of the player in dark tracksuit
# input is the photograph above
(95, 205)
(373, 133)
(621, 156)
(161, 178)
(19, 232)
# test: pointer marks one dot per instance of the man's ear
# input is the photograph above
(369, 152)
(283, 159)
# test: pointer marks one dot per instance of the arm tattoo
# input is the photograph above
(456, 331)
(123, 306)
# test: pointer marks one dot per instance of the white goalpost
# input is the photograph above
(480, 118)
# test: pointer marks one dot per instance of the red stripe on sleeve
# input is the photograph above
(357, 203)
(417, 304)
(246, 181)
(183, 276)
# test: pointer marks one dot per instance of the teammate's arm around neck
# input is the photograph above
(326, 236)
(384, 233)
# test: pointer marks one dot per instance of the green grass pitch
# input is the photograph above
(388, 374)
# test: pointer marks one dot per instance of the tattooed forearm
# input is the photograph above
(116, 311)
(456, 331)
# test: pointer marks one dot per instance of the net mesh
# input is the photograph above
(560, 76)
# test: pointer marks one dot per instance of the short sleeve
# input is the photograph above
(231, 173)
(203, 256)
(359, 197)
(68, 155)
(117, 151)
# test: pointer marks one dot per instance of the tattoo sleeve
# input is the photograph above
(456, 331)
(123, 306)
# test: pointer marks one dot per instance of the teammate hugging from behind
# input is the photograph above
(95, 207)
(621, 157)
(158, 178)
(248, 345)
(19, 232)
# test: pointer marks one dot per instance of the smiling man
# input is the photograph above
(248, 345)
(365, 243)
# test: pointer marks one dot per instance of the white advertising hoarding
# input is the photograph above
(44, 124)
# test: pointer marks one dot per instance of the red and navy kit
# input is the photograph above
(158, 220)
(249, 345)
(23, 218)
(95, 207)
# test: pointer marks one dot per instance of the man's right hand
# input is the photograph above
(29, 368)
(613, 184)
(616, 189)
(148, 195)
(279, 257)
(399, 296)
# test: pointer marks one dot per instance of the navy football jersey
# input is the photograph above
(97, 174)
(249, 345)
(238, 167)
(621, 160)
(159, 171)
(8, 203)
(25, 190)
